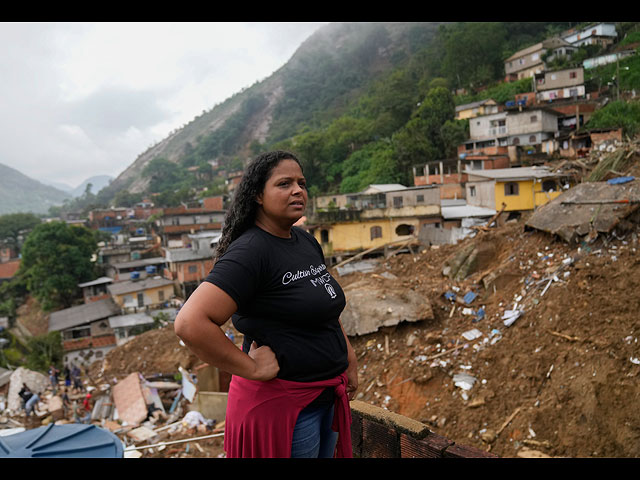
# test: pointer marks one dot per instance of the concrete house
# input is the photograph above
(187, 267)
(133, 296)
(559, 84)
(603, 34)
(531, 60)
(519, 189)
(86, 333)
(475, 109)
(185, 220)
(380, 214)
(531, 126)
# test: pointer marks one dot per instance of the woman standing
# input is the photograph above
(297, 370)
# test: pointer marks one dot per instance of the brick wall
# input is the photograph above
(378, 433)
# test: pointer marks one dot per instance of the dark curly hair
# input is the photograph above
(242, 212)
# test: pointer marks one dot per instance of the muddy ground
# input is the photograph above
(562, 380)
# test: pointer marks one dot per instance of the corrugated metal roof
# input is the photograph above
(466, 211)
(97, 281)
(129, 286)
(82, 314)
(140, 263)
(130, 320)
(515, 173)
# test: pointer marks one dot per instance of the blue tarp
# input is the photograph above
(75, 440)
(111, 230)
(618, 180)
(469, 297)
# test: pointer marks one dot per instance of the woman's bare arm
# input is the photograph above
(352, 369)
(198, 325)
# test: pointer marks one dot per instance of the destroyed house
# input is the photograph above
(125, 327)
(85, 329)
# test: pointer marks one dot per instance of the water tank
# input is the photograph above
(75, 440)
(134, 275)
(151, 269)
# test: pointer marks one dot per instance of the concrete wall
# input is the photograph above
(378, 433)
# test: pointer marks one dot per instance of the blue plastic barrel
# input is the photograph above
(74, 440)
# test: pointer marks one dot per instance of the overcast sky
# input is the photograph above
(84, 99)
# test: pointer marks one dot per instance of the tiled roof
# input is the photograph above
(9, 269)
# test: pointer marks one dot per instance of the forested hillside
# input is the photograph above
(359, 103)
(19, 193)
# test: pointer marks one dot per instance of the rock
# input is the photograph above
(530, 453)
(371, 307)
(36, 381)
(488, 436)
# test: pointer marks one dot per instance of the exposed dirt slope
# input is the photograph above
(566, 371)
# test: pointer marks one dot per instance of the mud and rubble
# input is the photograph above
(530, 347)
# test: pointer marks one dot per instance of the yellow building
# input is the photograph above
(137, 295)
(379, 218)
(520, 189)
(476, 109)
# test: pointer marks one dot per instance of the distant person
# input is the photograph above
(31, 403)
(67, 376)
(25, 394)
(66, 402)
(53, 377)
(76, 377)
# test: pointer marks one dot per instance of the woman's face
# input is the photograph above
(284, 197)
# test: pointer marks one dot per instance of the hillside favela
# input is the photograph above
(475, 189)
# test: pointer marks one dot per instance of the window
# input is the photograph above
(404, 230)
(141, 300)
(420, 199)
(376, 232)
(324, 236)
(549, 186)
(573, 74)
(510, 188)
(532, 139)
(472, 191)
(397, 202)
(533, 118)
(161, 295)
(193, 268)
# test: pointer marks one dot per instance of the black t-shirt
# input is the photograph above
(287, 300)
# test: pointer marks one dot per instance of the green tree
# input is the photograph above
(15, 225)
(618, 114)
(55, 258)
(421, 138)
(44, 350)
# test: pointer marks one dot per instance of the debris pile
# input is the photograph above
(153, 414)
(531, 352)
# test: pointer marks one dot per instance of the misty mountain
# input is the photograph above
(98, 182)
(327, 73)
(22, 194)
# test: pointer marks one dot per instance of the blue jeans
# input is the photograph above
(312, 435)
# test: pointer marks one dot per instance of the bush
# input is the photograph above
(618, 114)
